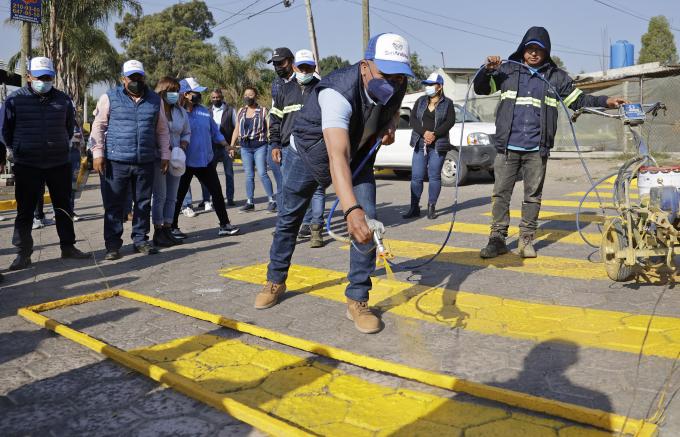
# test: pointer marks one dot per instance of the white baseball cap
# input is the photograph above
(190, 84)
(391, 54)
(304, 56)
(434, 78)
(133, 66)
(41, 66)
(177, 162)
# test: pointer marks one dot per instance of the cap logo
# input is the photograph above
(398, 45)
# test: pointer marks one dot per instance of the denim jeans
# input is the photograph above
(164, 196)
(276, 171)
(74, 158)
(115, 182)
(315, 211)
(228, 165)
(430, 163)
(298, 190)
(205, 195)
(532, 167)
(253, 157)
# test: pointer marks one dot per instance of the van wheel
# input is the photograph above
(451, 168)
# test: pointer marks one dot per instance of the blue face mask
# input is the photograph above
(171, 97)
(303, 78)
(40, 86)
(380, 90)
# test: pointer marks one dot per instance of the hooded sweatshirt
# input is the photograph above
(526, 118)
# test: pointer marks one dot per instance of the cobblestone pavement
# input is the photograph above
(554, 327)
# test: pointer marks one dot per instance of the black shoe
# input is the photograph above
(414, 212)
(178, 234)
(248, 207)
(271, 207)
(227, 229)
(305, 231)
(20, 262)
(161, 239)
(171, 237)
(146, 249)
(112, 255)
(495, 247)
(73, 253)
(201, 206)
(431, 213)
(231, 203)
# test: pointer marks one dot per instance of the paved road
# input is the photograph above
(554, 327)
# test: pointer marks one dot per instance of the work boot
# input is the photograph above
(362, 316)
(161, 239)
(496, 246)
(74, 253)
(526, 246)
(431, 213)
(20, 262)
(168, 233)
(269, 296)
(413, 212)
(317, 238)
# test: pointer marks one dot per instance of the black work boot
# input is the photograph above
(431, 213)
(160, 238)
(495, 247)
(526, 246)
(22, 261)
(168, 233)
(413, 212)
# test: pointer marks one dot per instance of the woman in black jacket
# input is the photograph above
(432, 117)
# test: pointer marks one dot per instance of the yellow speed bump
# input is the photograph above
(556, 235)
(11, 205)
(598, 418)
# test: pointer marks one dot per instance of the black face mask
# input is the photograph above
(248, 101)
(217, 103)
(135, 87)
(283, 72)
(195, 99)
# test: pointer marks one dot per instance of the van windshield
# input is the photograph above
(469, 116)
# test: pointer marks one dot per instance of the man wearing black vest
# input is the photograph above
(129, 133)
(38, 122)
(346, 113)
(225, 117)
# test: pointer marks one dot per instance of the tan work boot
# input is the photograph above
(317, 238)
(364, 320)
(526, 246)
(269, 296)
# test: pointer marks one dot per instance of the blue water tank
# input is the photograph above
(622, 54)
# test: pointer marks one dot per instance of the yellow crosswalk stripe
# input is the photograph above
(543, 265)
(486, 314)
(586, 217)
(603, 195)
(556, 235)
(611, 180)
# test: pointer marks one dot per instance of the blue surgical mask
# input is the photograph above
(380, 90)
(430, 90)
(41, 86)
(303, 78)
(171, 97)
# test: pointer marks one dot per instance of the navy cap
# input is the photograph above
(536, 42)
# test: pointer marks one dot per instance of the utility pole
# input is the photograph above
(367, 24)
(25, 51)
(443, 62)
(312, 33)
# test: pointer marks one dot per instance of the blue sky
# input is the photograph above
(466, 31)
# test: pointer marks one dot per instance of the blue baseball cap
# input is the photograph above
(434, 78)
(391, 54)
(190, 84)
(536, 42)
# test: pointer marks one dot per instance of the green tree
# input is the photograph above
(420, 71)
(658, 44)
(331, 63)
(171, 42)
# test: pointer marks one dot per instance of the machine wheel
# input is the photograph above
(450, 169)
(614, 239)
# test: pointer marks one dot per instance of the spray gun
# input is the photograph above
(378, 230)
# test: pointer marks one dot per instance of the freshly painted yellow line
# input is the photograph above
(574, 204)
(324, 400)
(557, 235)
(604, 194)
(490, 315)
(588, 217)
(576, 413)
(610, 181)
(11, 205)
(543, 265)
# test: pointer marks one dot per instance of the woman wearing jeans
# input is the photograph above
(165, 185)
(432, 117)
(251, 132)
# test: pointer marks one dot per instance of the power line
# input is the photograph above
(630, 13)
(263, 11)
(236, 13)
(407, 32)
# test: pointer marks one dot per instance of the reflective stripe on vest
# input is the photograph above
(571, 98)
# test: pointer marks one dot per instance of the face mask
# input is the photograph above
(135, 87)
(430, 90)
(195, 99)
(380, 90)
(303, 78)
(248, 101)
(217, 104)
(171, 97)
(41, 87)
(282, 72)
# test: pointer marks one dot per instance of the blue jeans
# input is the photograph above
(115, 182)
(164, 196)
(276, 170)
(228, 164)
(421, 164)
(253, 157)
(74, 158)
(298, 190)
(205, 196)
(315, 211)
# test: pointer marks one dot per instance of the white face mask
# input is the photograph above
(303, 78)
(430, 90)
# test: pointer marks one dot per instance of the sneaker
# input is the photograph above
(178, 234)
(271, 207)
(305, 231)
(316, 240)
(248, 207)
(269, 296)
(73, 253)
(526, 246)
(189, 212)
(175, 240)
(200, 205)
(146, 248)
(362, 316)
(112, 255)
(231, 203)
(47, 222)
(495, 247)
(208, 206)
(20, 262)
(37, 224)
(227, 229)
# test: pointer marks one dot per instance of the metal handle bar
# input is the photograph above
(652, 108)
